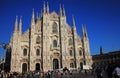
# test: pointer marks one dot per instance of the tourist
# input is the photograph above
(48, 74)
(116, 72)
(58, 74)
(99, 72)
(109, 71)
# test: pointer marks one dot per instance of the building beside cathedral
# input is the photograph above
(50, 43)
(105, 59)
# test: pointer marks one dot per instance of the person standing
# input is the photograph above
(0, 75)
(58, 74)
(99, 72)
(109, 71)
(48, 74)
(116, 72)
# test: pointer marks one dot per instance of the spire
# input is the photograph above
(41, 14)
(44, 9)
(60, 10)
(63, 11)
(84, 31)
(37, 16)
(47, 8)
(86, 35)
(33, 16)
(101, 50)
(16, 24)
(20, 25)
(73, 21)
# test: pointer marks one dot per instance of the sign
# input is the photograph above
(86, 67)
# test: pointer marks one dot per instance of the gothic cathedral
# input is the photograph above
(50, 43)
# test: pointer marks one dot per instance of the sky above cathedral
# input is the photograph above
(101, 17)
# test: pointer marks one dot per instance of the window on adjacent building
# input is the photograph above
(71, 65)
(54, 28)
(54, 43)
(37, 52)
(70, 42)
(24, 52)
(38, 40)
(71, 54)
(80, 52)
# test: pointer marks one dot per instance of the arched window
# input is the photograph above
(54, 28)
(38, 40)
(80, 52)
(71, 65)
(37, 52)
(54, 43)
(70, 42)
(71, 54)
(24, 52)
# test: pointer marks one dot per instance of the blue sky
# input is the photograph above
(102, 19)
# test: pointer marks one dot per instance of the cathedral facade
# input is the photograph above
(50, 43)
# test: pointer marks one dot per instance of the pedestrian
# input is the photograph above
(0, 75)
(48, 74)
(109, 71)
(58, 74)
(116, 72)
(99, 72)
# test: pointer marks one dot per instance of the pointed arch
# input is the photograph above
(54, 27)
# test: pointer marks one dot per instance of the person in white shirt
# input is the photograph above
(116, 72)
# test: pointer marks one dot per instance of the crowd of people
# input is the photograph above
(35, 74)
(111, 71)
